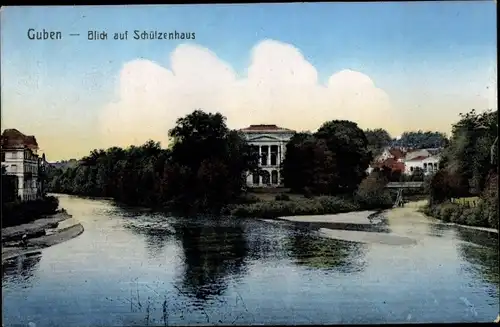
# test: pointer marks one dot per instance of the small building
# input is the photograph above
(428, 164)
(391, 153)
(19, 157)
(269, 141)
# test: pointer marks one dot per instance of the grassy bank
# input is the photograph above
(278, 205)
(18, 212)
(469, 211)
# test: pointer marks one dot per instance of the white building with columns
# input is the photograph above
(270, 142)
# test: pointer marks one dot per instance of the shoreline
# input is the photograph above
(39, 243)
(33, 229)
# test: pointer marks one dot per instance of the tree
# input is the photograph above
(309, 164)
(377, 139)
(421, 140)
(203, 169)
(348, 143)
(469, 152)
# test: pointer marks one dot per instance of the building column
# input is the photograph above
(260, 154)
(269, 155)
(278, 155)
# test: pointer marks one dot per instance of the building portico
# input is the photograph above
(269, 141)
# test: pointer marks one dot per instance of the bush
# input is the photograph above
(483, 215)
(316, 206)
(446, 211)
(282, 197)
(372, 193)
(308, 194)
(17, 213)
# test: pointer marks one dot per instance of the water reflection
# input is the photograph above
(480, 249)
(437, 230)
(155, 230)
(314, 251)
(213, 255)
(21, 269)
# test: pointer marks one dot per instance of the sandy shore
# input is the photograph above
(355, 217)
(34, 229)
(37, 243)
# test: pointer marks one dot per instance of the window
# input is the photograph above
(3, 156)
(411, 168)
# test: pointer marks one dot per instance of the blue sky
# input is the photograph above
(408, 49)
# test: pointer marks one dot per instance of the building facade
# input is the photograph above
(269, 141)
(20, 159)
(428, 164)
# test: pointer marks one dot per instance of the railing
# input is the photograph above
(405, 185)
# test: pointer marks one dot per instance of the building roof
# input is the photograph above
(265, 128)
(396, 153)
(419, 158)
(390, 163)
(12, 138)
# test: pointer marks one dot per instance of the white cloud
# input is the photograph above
(281, 87)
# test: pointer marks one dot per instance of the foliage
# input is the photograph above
(377, 139)
(202, 170)
(21, 212)
(309, 164)
(482, 215)
(468, 154)
(282, 197)
(331, 161)
(467, 160)
(309, 206)
(418, 175)
(421, 140)
(371, 192)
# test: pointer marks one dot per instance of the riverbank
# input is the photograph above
(33, 229)
(40, 234)
(320, 205)
(38, 243)
(481, 216)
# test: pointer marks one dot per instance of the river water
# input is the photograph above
(133, 267)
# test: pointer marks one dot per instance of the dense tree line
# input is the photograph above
(202, 170)
(469, 166)
(421, 140)
(379, 138)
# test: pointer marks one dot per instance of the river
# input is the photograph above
(134, 267)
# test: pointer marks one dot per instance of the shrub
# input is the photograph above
(315, 206)
(446, 211)
(16, 213)
(282, 197)
(308, 193)
(372, 194)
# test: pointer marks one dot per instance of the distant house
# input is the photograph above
(392, 158)
(417, 153)
(269, 141)
(20, 159)
(428, 164)
(391, 163)
(391, 153)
